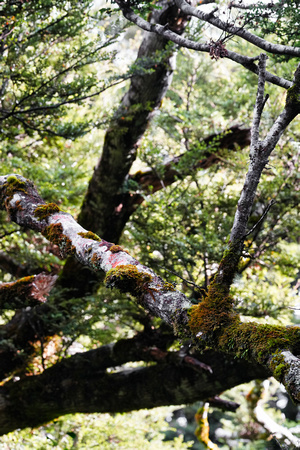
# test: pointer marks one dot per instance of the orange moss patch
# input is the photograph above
(214, 312)
(54, 233)
(95, 261)
(117, 248)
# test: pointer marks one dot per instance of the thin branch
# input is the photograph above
(277, 49)
(246, 61)
(258, 159)
(59, 74)
(259, 104)
(66, 102)
(179, 276)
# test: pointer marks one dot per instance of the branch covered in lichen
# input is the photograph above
(260, 151)
(212, 324)
(123, 271)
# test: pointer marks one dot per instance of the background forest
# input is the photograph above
(65, 68)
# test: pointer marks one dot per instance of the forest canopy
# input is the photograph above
(149, 228)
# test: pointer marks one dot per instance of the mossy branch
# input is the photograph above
(213, 323)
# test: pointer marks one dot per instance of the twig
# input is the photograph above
(179, 276)
(272, 202)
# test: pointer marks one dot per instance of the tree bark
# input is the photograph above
(102, 211)
(129, 124)
(213, 323)
(78, 384)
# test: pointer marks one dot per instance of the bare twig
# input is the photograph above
(272, 202)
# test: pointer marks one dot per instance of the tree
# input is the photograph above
(220, 350)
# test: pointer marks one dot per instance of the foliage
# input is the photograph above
(137, 431)
(279, 18)
(58, 57)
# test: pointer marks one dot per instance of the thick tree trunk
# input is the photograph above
(100, 206)
(102, 210)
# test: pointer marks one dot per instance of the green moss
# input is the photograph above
(168, 287)
(279, 371)
(278, 366)
(214, 312)
(15, 295)
(127, 278)
(221, 328)
(12, 185)
(12, 180)
(259, 341)
(44, 211)
(229, 264)
(89, 235)
(293, 95)
(54, 233)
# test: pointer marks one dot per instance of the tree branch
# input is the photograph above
(259, 156)
(211, 324)
(78, 384)
(247, 62)
(123, 271)
(276, 49)
(259, 105)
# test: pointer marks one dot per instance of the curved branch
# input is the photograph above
(123, 271)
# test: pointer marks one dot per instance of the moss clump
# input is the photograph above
(127, 278)
(95, 261)
(12, 185)
(89, 235)
(168, 287)
(44, 211)
(279, 372)
(293, 96)
(229, 264)
(116, 249)
(16, 184)
(54, 233)
(214, 312)
(293, 93)
(278, 366)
